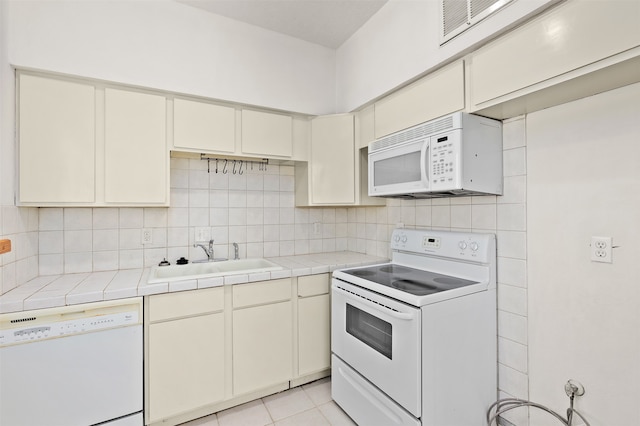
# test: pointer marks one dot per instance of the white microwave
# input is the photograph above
(456, 155)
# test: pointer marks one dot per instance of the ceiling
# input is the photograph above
(328, 23)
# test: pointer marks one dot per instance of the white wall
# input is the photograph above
(584, 180)
(401, 42)
(17, 224)
(166, 45)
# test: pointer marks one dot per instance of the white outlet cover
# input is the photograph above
(601, 249)
(147, 236)
(202, 234)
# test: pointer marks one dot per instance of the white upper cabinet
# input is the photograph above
(135, 156)
(84, 144)
(267, 134)
(573, 39)
(203, 127)
(433, 96)
(332, 163)
(57, 132)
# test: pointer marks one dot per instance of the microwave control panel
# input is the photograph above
(445, 154)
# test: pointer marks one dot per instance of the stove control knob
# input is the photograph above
(404, 238)
(474, 246)
(462, 245)
(396, 238)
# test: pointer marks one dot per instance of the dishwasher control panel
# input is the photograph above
(52, 323)
(67, 328)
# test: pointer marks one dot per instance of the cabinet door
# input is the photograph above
(314, 334)
(203, 127)
(186, 364)
(267, 134)
(332, 165)
(57, 141)
(136, 159)
(433, 96)
(570, 36)
(262, 346)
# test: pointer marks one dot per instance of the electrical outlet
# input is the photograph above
(147, 236)
(601, 249)
(202, 234)
(317, 229)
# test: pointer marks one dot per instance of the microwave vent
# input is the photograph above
(415, 132)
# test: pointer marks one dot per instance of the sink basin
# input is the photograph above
(211, 269)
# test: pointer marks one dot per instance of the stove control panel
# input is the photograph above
(431, 242)
(456, 245)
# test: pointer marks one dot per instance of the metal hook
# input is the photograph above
(208, 165)
(234, 167)
(224, 169)
(240, 171)
(216, 165)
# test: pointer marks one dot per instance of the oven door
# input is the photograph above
(402, 169)
(379, 338)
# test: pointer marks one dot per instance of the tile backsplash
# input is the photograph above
(255, 209)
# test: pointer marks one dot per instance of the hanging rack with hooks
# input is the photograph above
(235, 165)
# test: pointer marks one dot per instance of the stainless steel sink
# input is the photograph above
(211, 269)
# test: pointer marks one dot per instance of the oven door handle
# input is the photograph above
(404, 316)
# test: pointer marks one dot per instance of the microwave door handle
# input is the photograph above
(424, 165)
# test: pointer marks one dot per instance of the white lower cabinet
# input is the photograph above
(262, 335)
(211, 349)
(187, 368)
(185, 363)
(314, 324)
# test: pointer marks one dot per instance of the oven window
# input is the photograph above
(395, 170)
(370, 330)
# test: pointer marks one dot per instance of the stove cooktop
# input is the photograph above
(410, 280)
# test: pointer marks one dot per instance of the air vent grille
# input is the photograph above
(415, 132)
(459, 15)
(454, 14)
(479, 6)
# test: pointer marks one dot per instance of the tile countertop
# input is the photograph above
(72, 289)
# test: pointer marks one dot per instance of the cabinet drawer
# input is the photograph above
(261, 293)
(313, 285)
(189, 303)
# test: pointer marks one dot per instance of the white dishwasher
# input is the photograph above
(72, 365)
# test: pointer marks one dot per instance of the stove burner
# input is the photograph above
(414, 287)
(363, 273)
(449, 281)
(418, 282)
(395, 269)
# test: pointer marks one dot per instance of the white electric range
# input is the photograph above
(414, 341)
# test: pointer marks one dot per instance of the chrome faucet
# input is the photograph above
(236, 251)
(208, 251)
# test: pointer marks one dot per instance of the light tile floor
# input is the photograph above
(308, 405)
